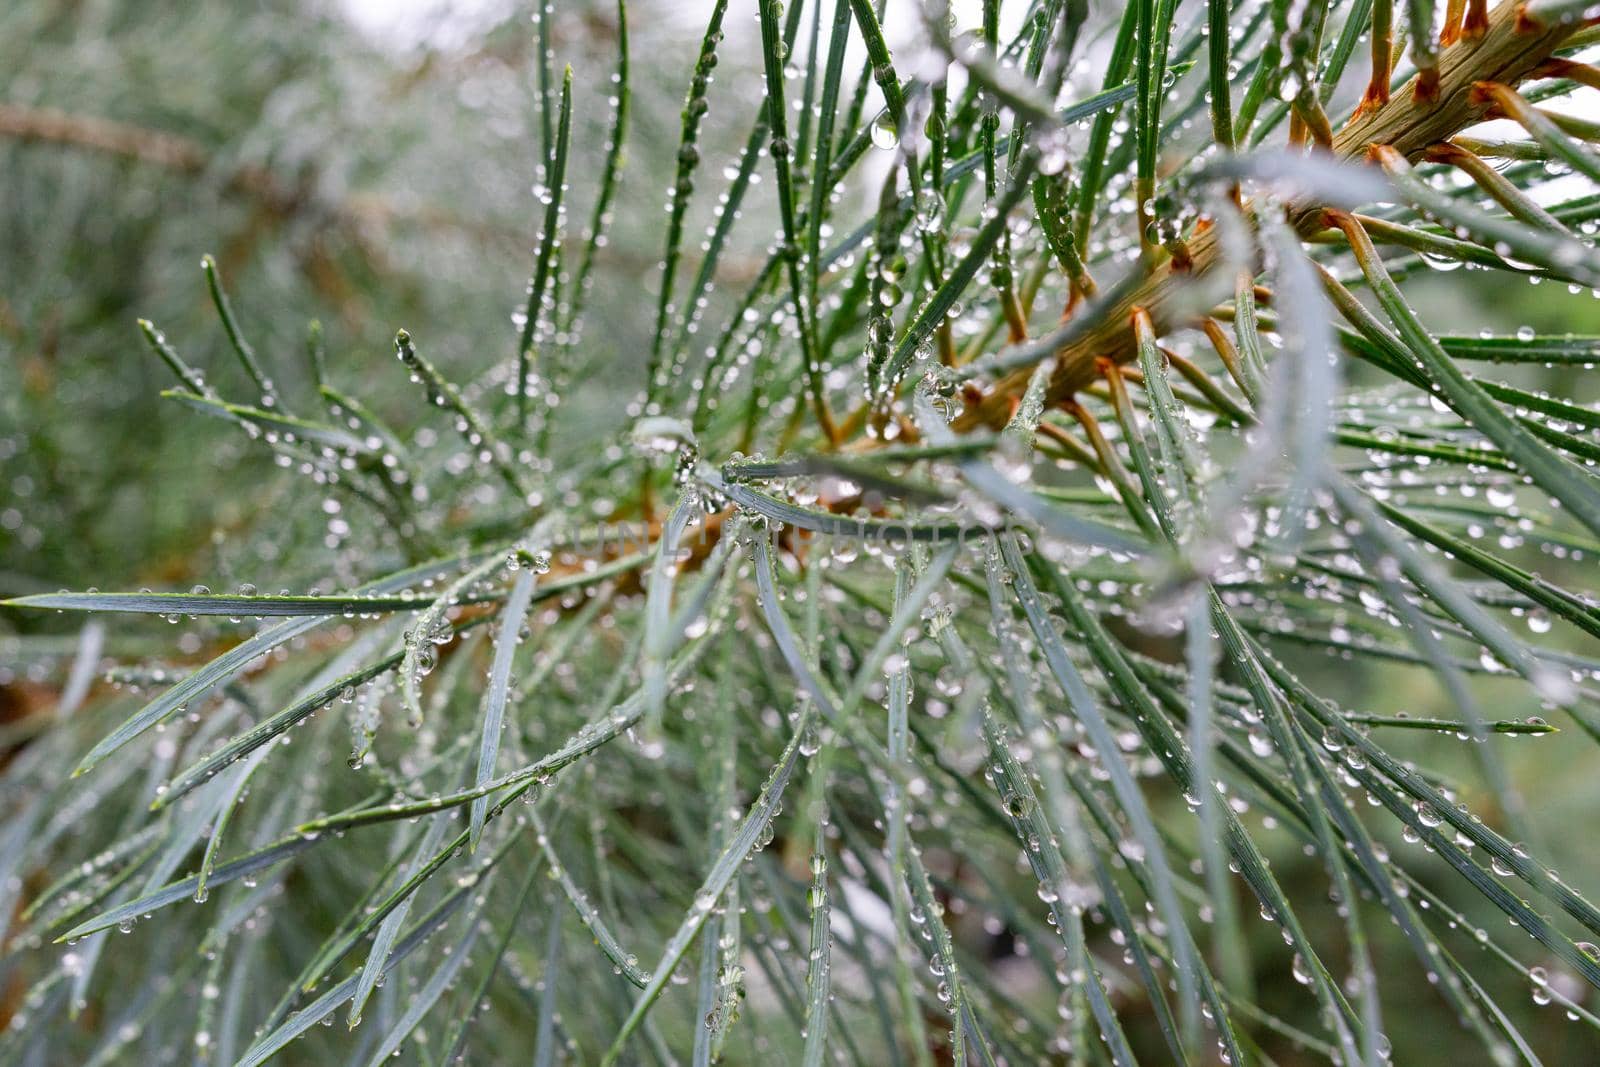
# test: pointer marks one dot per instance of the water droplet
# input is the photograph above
(884, 133)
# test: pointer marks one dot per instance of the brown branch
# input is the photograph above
(33, 124)
(1511, 48)
(359, 217)
(188, 157)
(169, 151)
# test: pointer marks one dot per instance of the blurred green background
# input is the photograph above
(374, 166)
(369, 165)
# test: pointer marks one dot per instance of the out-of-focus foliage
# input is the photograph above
(902, 558)
(350, 173)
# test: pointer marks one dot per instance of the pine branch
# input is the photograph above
(1511, 50)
